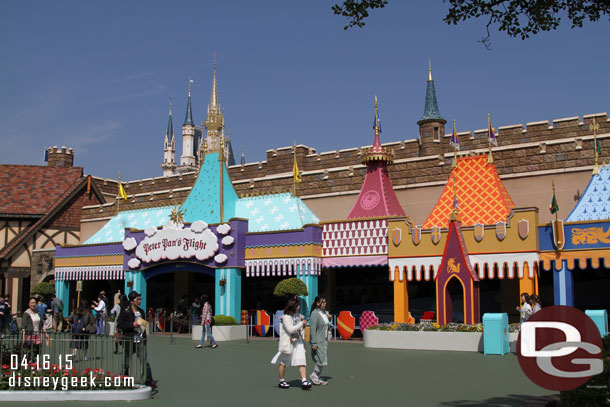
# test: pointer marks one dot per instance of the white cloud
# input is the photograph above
(129, 244)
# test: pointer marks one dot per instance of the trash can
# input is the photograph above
(495, 334)
(600, 317)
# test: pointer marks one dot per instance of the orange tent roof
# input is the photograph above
(482, 197)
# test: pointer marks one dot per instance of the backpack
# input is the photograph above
(60, 306)
(14, 327)
(78, 326)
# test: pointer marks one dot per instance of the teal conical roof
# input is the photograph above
(203, 203)
(431, 111)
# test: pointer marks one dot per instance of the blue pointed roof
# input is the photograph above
(203, 202)
(188, 119)
(169, 133)
(114, 230)
(431, 111)
(231, 159)
(594, 204)
(269, 213)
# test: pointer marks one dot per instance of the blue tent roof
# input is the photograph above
(275, 212)
(594, 204)
(114, 230)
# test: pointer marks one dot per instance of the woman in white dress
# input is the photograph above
(291, 349)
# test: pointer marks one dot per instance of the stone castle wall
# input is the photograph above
(536, 149)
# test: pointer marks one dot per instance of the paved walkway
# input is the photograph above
(239, 374)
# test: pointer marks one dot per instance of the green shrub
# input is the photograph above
(221, 320)
(290, 287)
(44, 289)
(596, 391)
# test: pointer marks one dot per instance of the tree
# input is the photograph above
(43, 289)
(518, 18)
(290, 287)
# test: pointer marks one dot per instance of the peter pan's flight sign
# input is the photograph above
(174, 242)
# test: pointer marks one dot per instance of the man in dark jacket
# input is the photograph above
(131, 322)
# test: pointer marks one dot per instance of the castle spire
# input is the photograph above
(169, 133)
(188, 119)
(431, 111)
(214, 123)
(377, 127)
(214, 96)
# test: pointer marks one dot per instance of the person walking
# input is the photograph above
(32, 326)
(206, 323)
(41, 307)
(81, 321)
(3, 319)
(119, 306)
(133, 327)
(535, 303)
(57, 305)
(318, 338)
(526, 309)
(291, 348)
(99, 307)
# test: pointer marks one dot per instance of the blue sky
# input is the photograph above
(97, 76)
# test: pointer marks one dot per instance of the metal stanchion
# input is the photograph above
(171, 329)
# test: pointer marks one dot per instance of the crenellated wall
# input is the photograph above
(331, 180)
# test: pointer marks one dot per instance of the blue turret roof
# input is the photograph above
(169, 133)
(188, 119)
(231, 158)
(594, 204)
(431, 111)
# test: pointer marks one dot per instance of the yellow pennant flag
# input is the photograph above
(295, 172)
(122, 193)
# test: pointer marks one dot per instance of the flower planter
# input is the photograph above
(221, 333)
(423, 340)
(139, 393)
(426, 340)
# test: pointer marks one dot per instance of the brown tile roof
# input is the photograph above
(32, 189)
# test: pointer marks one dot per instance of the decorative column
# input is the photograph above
(401, 299)
(228, 292)
(62, 291)
(135, 281)
(563, 285)
(311, 281)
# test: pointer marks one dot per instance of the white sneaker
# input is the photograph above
(314, 379)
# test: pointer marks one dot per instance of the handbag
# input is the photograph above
(212, 322)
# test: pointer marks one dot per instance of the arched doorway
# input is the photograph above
(454, 301)
(169, 284)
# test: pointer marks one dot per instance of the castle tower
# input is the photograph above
(60, 157)
(188, 161)
(214, 122)
(377, 197)
(169, 147)
(431, 125)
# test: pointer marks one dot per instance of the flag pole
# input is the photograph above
(490, 157)
(594, 127)
(454, 164)
(555, 198)
(118, 206)
(294, 157)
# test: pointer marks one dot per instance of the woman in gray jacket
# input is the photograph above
(318, 338)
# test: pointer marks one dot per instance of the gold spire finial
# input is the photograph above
(429, 70)
(594, 127)
(170, 105)
(376, 118)
(214, 96)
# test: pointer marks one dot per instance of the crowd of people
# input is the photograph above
(530, 304)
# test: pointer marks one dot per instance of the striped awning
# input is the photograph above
(89, 273)
(303, 266)
(490, 266)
